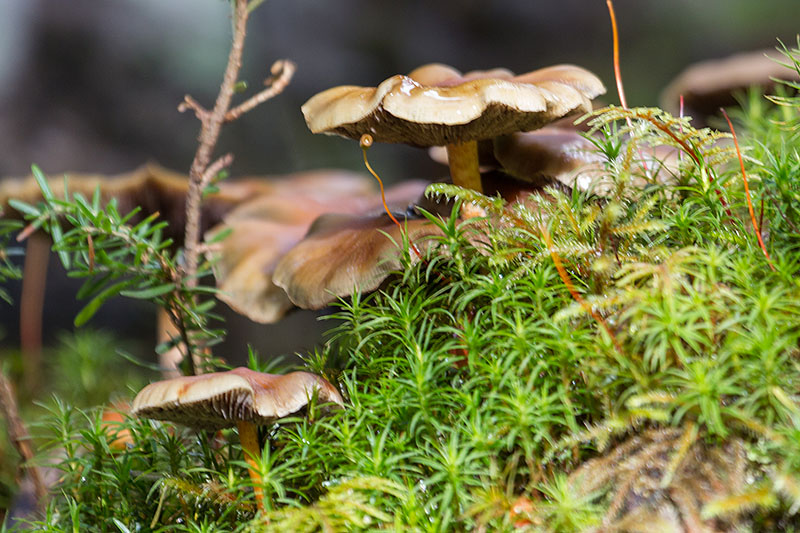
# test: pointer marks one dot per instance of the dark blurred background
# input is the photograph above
(93, 85)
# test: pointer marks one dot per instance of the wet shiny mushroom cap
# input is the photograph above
(436, 105)
(221, 399)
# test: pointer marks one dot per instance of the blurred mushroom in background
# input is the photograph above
(264, 231)
(708, 85)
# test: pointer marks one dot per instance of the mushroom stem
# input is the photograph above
(248, 435)
(463, 161)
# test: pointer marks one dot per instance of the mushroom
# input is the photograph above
(267, 228)
(435, 105)
(343, 252)
(539, 157)
(151, 188)
(240, 397)
(550, 154)
(708, 85)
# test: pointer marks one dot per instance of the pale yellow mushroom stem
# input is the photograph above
(248, 435)
(463, 161)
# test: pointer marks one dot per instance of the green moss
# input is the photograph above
(482, 391)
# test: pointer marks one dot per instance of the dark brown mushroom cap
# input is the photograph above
(435, 105)
(549, 154)
(342, 253)
(708, 85)
(221, 399)
(152, 188)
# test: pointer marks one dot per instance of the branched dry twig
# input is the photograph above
(282, 72)
(210, 126)
(214, 169)
(190, 103)
(203, 171)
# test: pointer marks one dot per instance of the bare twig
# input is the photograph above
(19, 436)
(282, 72)
(34, 283)
(203, 171)
(214, 169)
(209, 134)
(199, 111)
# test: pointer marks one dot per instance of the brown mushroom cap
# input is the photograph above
(264, 230)
(342, 253)
(435, 105)
(221, 399)
(152, 188)
(549, 154)
(708, 85)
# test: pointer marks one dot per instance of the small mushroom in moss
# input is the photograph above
(240, 397)
(436, 105)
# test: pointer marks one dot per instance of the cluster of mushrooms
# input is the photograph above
(305, 245)
(307, 239)
(433, 106)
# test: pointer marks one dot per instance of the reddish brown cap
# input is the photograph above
(267, 228)
(342, 253)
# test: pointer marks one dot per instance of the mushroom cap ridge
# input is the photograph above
(221, 399)
(428, 108)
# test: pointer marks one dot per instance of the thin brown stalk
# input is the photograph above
(365, 143)
(562, 272)
(20, 438)
(618, 74)
(617, 71)
(211, 124)
(34, 284)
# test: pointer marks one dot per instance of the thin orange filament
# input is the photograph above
(365, 142)
(562, 272)
(618, 77)
(747, 190)
(617, 72)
